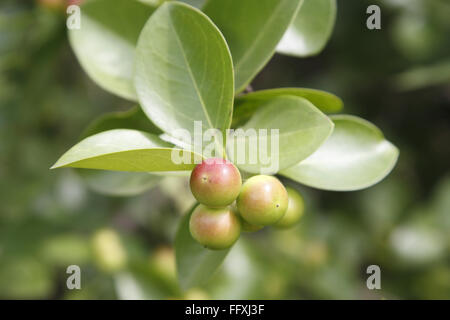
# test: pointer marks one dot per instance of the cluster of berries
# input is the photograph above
(227, 206)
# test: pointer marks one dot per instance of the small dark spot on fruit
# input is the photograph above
(278, 205)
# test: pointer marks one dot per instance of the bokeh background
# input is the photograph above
(397, 77)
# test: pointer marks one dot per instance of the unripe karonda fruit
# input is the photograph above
(215, 182)
(263, 200)
(215, 228)
(294, 212)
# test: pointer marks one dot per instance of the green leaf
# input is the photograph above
(245, 105)
(310, 30)
(253, 28)
(117, 183)
(124, 150)
(302, 129)
(184, 71)
(355, 156)
(195, 264)
(105, 43)
(134, 118)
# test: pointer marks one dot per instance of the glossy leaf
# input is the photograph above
(105, 43)
(246, 105)
(252, 28)
(116, 183)
(195, 264)
(310, 30)
(301, 130)
(355, 156)
(124, 150)
(184, 70)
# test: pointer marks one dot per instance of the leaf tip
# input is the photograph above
(57, 165)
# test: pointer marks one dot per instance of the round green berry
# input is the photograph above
(294, 212)
(263, 200)
(215, 228)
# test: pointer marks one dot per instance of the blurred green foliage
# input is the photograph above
(50, 219)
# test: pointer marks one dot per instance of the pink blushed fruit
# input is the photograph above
(214, 228)
(215, 182)
(263, 200)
